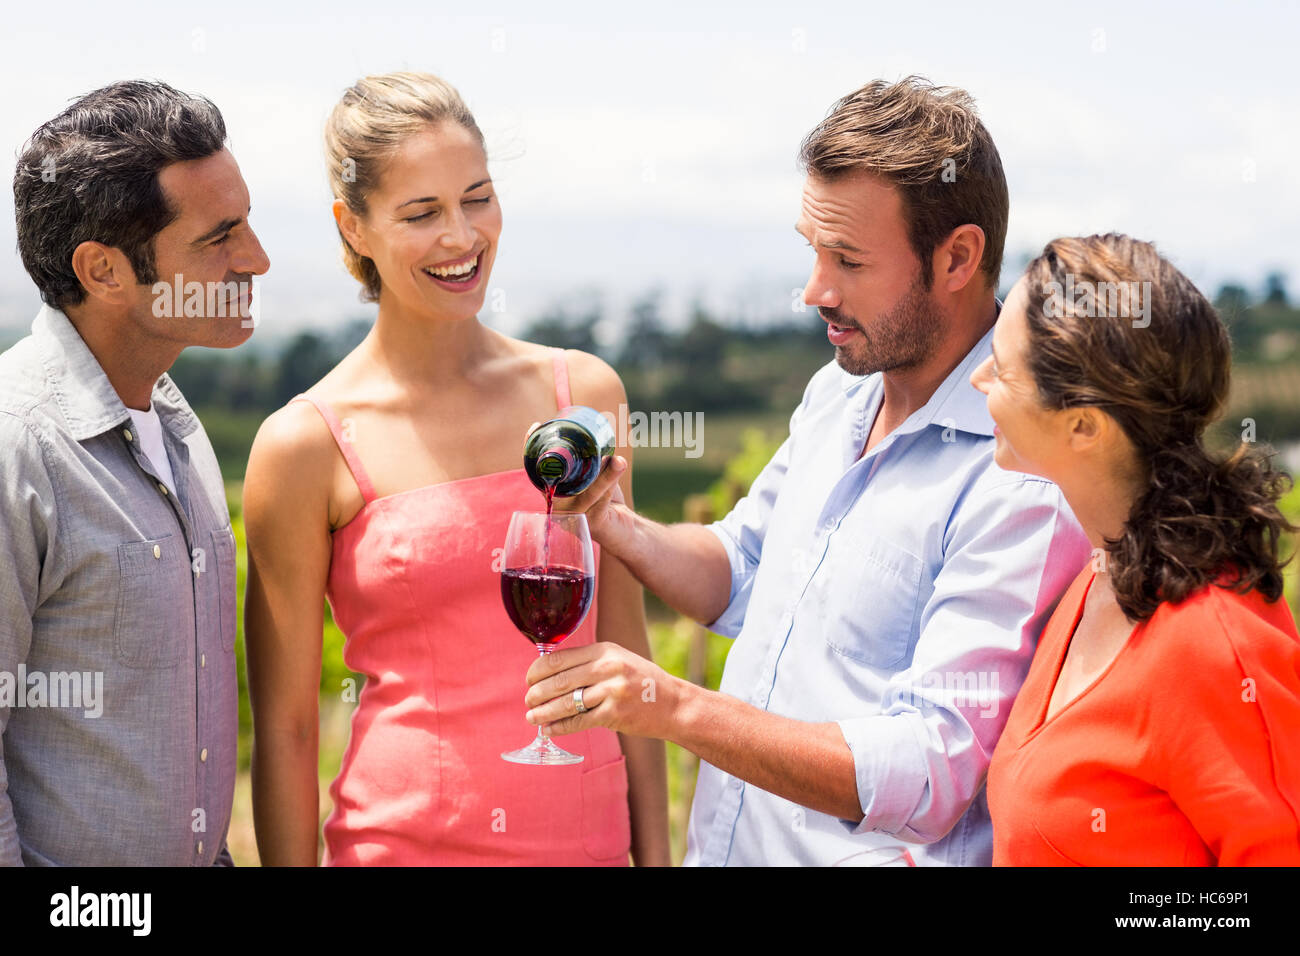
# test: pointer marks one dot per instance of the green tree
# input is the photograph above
(303, 363)
(561, 330)
(646, 342)
(1275, 289)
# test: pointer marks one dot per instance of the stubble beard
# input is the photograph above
(902, 338)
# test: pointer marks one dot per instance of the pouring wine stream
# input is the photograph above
(548, 601)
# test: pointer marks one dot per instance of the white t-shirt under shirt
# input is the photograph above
(148, 426)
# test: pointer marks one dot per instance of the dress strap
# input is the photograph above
(561, 366)
(345, 446)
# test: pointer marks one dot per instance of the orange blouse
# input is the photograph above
(1185, 751)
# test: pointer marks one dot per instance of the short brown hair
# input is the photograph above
(1159, 365)
(928, 142)
(372, 120)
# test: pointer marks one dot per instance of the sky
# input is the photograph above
(652, 146)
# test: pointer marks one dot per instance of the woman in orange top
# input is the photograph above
(1159, 721)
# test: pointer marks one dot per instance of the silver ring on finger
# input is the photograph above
(577, 700)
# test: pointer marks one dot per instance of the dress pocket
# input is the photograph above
(223, 550)
(606, 826)
(869, 601)
(154, 601)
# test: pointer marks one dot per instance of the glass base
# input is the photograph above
(542, 752)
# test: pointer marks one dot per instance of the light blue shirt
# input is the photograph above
(899, 594)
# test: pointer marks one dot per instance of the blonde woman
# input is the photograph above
(387, 488)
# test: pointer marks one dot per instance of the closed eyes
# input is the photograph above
(468, 202)
(845, 263)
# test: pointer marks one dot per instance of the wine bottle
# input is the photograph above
(563, 456)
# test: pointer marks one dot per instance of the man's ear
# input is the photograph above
(349, 225)
(104, 272)
(957, 259)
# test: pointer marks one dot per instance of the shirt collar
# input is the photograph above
(955, 403)
(87, 399)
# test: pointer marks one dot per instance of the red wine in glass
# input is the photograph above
(547, 603)
(547, 587)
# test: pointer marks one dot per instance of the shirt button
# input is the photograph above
(162, 488)
(203, 660)
(127, 433)
(199, 848)
(829, 525)
(203, 755)
(157, 551)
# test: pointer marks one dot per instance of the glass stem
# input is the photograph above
(542, 740)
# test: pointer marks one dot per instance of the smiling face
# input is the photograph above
(866, 280)
(211, 243)
(432, 225)
(1030, 438)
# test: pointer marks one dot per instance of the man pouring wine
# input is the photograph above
(883, 579)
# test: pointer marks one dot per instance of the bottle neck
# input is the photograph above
(556, 463)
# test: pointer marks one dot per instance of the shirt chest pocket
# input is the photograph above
(869, 600)
(153, 624)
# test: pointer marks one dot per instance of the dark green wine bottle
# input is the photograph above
(563, 456)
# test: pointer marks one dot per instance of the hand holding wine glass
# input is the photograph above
(547, 585)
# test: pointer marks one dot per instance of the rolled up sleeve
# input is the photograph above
(1011, 551)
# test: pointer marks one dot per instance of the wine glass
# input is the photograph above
(547, 585)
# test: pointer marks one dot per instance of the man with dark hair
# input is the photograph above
(118, 690)
(885, 581)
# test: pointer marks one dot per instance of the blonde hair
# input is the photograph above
(372, 120)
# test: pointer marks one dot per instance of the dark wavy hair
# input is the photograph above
(91, 175)
(1112, 324)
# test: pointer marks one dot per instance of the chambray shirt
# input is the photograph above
(899, 594)
(103, 570)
